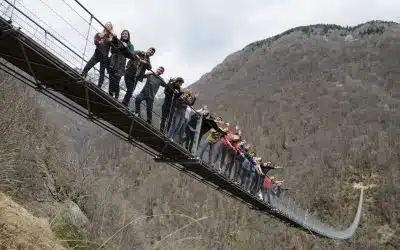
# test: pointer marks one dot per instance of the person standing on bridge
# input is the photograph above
(207, 123)
(102, 41)
(247, 165)
(190, 129)
(223, 148)
(265, 168)
(120, 49)
(269, 183)
(238, 157)
(172, 92)
(185, 100)
(212, 139)
(135, 70)
(233, 152)
(149, 91)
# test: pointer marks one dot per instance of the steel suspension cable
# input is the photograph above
(66, 21)
(76, 12)
(48, 26)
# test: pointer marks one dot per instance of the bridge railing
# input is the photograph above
(66, 28)
(31, 18)
(285, 205)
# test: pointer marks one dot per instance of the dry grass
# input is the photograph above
(19, 229)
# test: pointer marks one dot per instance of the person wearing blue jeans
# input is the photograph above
(246, 172)
(210, 143)
(185, 100)
(177, 123)
(238, 168)
(252, 179)
(256, 175)
(247, 160)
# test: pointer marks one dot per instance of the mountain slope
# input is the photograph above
(324, 101)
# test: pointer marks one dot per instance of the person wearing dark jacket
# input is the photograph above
(209, 143)
(265, 168)
(149, 91)
(102, 41)
(207, 123)
(248, 162)
(171, 92)
(135, 70)
(120, 49)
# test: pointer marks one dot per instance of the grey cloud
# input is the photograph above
(202, 39)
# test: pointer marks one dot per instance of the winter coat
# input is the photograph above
(135, 68)
(184, 101)
(102, 44)
(118, 56)
(152, 85)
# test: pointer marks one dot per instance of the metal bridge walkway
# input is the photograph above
(29, 61)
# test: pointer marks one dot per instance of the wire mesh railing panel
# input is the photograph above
(68, 31)
(23, 15)
(283, 203)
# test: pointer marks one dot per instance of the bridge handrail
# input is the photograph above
(80, 57)
(44, 30)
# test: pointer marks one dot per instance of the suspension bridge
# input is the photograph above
(38, 55)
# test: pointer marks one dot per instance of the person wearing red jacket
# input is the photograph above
(223, 148)
(269, 183)
(265, 168)
(236, 161)
(231, 155)
(241, 148)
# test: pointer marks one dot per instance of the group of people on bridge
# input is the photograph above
(228, 152)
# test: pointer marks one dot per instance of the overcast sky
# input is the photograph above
(191, 37)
